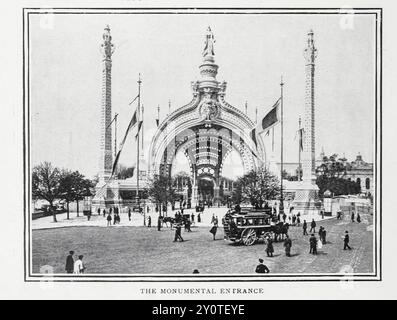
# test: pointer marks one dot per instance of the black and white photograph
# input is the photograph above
(202, 144)
(177, 146)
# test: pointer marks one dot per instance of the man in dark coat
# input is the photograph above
(159, 223)
(178, 230)
(313, 244)
(149, 222)
(346, 241)
(313, 226)
(261, 268)
(109, 220)
(129, 213)
(358, 218)
(320, 233)
(352, 216)
(269, 247)
(69, 262)
(304, 226)
(324, 236)
(287, 246)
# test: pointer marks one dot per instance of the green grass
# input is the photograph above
(135, 250)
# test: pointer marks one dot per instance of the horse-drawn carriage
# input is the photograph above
(249, 226)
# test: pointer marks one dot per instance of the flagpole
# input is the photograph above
(281, 207)
(115, 135)
(143, 113)
(158, 115)
(299, 148)
(137, 146)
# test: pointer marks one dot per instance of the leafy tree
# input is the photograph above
(83, 188)
(338, 186)
(125, 172)
(330, 176)
(162, 191)
(332, 167)
(257, 186)
(237, 193)
(74, 187)
(45, 184)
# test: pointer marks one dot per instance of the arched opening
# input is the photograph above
(206, 189)
(358, 181)
(180, 164)
(232, 167)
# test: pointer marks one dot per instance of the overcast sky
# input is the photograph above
(252, 51)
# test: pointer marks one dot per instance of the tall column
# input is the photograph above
(105, 154)
(306, 200)
(308, 156)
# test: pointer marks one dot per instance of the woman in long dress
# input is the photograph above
(214, 227)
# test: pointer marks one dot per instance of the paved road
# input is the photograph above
(132, 250)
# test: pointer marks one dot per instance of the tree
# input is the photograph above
(332, 167)
(66, 188)
(74, 187)
(257, 186)
(162, 191)
(338, 186)
(330, 176)
(125, 172)
(83, 188)
(45, 184)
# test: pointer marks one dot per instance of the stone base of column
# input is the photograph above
(106, 195)
(306, 201)
(195, 195)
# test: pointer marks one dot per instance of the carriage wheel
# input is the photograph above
(249, 237)
(268, 234)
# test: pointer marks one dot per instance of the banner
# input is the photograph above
(132, 123)
(271, 118)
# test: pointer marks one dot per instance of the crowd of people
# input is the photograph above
(112, 216)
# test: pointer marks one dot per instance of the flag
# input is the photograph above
(139, 129)
(270, 119)
(301, 131)
(132, 123)
(134, 99)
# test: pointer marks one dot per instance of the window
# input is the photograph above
(367, 183)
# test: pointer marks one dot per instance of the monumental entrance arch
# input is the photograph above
(206, 130)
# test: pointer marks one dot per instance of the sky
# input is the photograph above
(252, 52)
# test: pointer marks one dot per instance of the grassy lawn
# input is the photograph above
(130, 250)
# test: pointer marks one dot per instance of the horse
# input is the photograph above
(167, 220)
(280, 229)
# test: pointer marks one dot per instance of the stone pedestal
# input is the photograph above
(106, 195)
(306, 200)
(195, 195)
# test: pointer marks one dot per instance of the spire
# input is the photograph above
(310, 51)
(107, 45)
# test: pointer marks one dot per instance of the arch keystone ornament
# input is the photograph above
(206, 130)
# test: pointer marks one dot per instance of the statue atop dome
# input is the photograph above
(209, 43)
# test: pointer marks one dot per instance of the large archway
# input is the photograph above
(206, 130)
